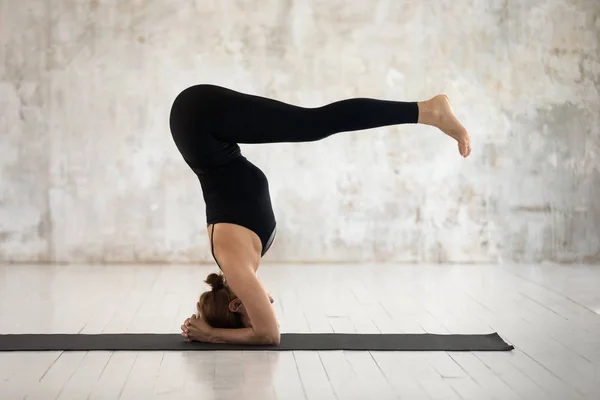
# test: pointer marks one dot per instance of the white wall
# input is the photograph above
(89, 172)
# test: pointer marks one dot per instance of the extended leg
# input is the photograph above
(243, 118)
(236, 117)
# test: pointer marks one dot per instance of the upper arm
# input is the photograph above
(243, 281)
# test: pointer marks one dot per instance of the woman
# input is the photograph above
(207, 123)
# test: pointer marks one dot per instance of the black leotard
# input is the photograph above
(207, 123)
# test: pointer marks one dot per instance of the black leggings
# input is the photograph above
(208, 122)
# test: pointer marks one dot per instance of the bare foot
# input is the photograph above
(438, 112)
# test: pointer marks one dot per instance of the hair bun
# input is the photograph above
(216, 281)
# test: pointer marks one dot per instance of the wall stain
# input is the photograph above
(534, 209)
(44, 226)
(5, 236)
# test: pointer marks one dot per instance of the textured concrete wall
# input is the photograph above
(89, 172)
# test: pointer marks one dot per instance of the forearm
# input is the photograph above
(242, 336)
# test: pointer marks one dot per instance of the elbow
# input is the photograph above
(270, 339)
(275, 340)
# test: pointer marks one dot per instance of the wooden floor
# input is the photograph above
(551, 314)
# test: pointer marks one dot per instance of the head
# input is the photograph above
(220, 307)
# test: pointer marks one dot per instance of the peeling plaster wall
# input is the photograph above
(89, 172)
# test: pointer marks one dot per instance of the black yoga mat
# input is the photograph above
(289, 341)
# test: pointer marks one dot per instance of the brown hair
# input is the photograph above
(214, 304)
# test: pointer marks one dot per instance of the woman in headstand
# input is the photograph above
(207, 123)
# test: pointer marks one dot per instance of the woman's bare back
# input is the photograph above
(235, 240)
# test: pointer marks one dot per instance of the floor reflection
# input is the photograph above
(232, 373)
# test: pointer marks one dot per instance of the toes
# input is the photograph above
(464, 147)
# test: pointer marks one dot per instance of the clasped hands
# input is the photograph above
(195, 328)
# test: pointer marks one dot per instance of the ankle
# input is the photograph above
(428, 113)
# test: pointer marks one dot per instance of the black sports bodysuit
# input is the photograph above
(207, 123)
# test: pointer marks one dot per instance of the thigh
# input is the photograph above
(191, 127)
